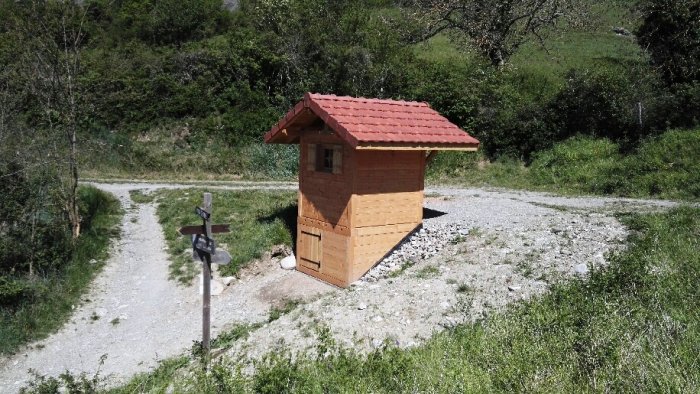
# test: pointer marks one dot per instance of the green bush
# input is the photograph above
(670, 31)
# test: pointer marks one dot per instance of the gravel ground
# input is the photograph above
(480, 250)
(494, 246)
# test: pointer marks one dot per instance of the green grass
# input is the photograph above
(139, 197)
(666, 166)
(258, 219)
(54, 296)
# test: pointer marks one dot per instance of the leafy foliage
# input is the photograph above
(34, 304)
(670, 30)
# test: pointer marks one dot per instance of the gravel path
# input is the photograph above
(134, 315)
(494, 246)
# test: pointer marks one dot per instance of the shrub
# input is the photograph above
(670, 30)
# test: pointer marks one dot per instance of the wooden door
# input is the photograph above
(309, 248)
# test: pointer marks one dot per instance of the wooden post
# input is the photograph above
(206, 284)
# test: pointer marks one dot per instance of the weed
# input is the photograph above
(464, 288)
(404, 266)
(138, 196)
(276, 313)
(475, 232)
(525, 268)
(458, 240)
(427, 272)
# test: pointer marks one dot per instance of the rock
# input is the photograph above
(289, 262)
(100, 312)
(217, 288)
(514, 288)
(377, 319)
(227, 280)
(376, 343)
(621, 31)
(362, 306)
(581, 269)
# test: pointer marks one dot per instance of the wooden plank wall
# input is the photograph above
(387, 204)
(324, 207)
(325, 196)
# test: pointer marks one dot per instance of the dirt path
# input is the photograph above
(504, 246)
(133, 314)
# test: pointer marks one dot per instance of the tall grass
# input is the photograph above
(665, 166)
(53, 296)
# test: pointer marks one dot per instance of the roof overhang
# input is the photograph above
(393, 146)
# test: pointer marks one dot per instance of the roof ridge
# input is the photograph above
(319, 96)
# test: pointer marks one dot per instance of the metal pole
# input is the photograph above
(206, 285)
(206, 306)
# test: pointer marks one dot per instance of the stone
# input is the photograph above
(376, 343)
(100, 312)
(514, 288)
(377, 319)
(217, 287)
(621, 31)
(227, 280)
(581, 269)
(289, 262)
(362, 306)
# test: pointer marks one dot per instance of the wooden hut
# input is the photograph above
(361, 172)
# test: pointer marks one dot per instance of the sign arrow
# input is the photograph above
(194, 230)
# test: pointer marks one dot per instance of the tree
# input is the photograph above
(51, 34)
(670, 31)
(495, 28)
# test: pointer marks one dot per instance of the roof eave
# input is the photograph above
(424, 146)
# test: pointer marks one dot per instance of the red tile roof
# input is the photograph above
(363, 122)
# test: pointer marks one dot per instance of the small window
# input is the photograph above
(325, 158)
(325, 163)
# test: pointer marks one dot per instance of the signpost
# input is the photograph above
(204, 250)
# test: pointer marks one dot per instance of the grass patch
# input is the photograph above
(53, 296)
(138, 196)
(666, 166)
(427, 272)
(258, 219)
(276, 313)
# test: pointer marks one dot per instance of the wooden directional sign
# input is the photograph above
(202, 213)
(194, 230)
(221, 257)
(204, 244)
